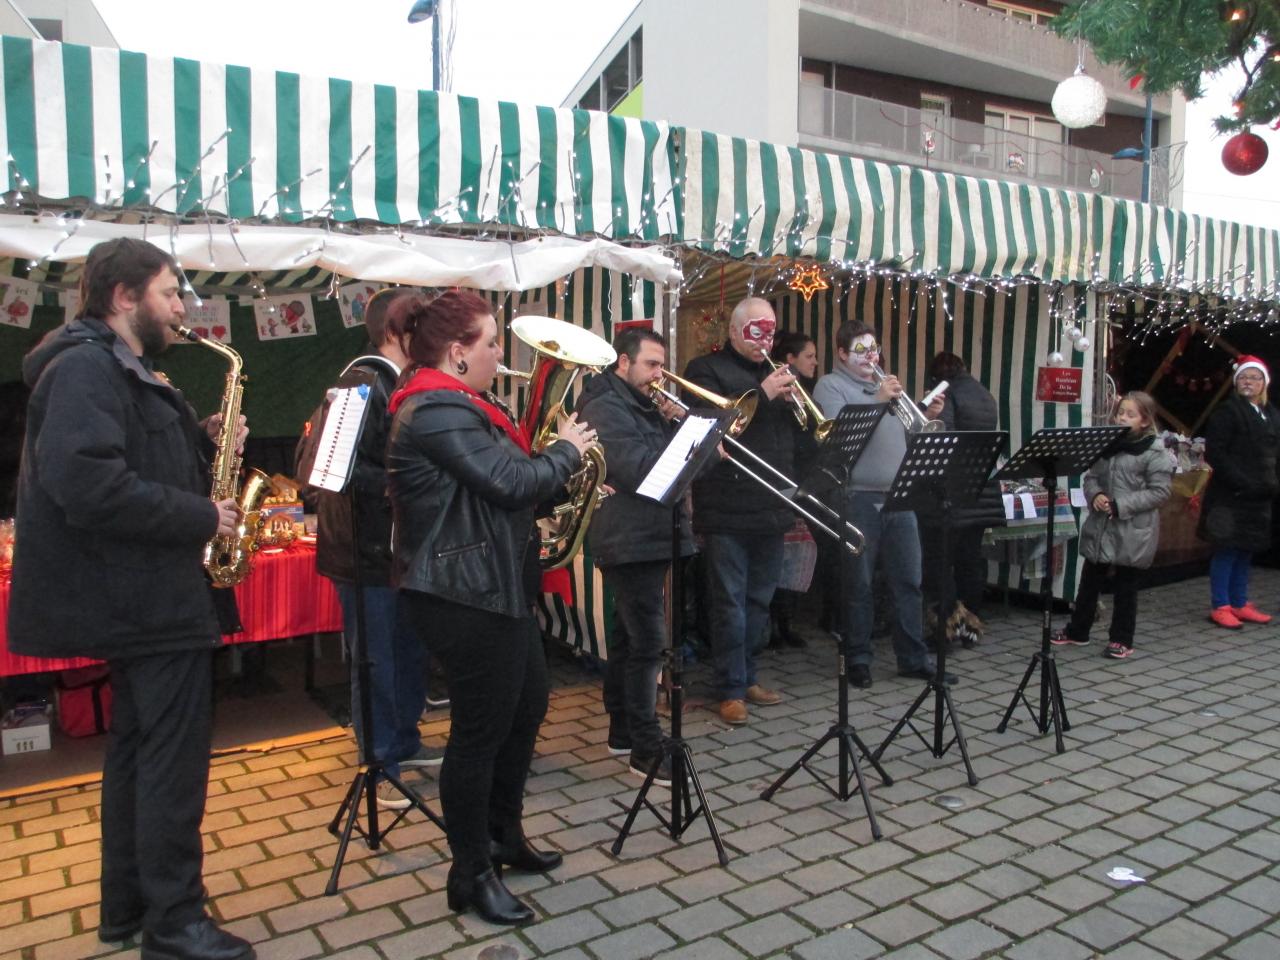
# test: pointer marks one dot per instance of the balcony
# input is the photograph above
(957, 43)
(840, 122)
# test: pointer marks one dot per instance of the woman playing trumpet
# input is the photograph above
(463, 488)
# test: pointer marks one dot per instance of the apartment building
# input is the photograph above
(957, 85)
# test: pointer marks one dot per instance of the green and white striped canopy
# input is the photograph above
(747, 197)
(124, 128)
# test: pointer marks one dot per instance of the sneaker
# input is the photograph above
(733, 712)
(619, 737)
(859, 675)
(640, 764)
(762, 697)
(1060, 638)
(437, 698)
(1250, 614)
(1225, 617)
(425, 757)
(390, 798)
(1118, 651)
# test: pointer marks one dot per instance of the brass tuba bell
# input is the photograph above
(562, 351)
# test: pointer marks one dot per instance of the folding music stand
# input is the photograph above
(1051, 453)
(686, 455)
(939, 472)
(343, 421)
(849, 436)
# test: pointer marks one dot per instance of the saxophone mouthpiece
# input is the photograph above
(185, 332)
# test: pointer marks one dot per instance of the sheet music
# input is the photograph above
(692, 432)
(336, 451)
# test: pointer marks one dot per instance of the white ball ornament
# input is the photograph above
(1074, 334)
(1082, 344)
(1056, 359)
(1079, 101)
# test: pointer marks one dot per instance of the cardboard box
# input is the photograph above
(25, 731)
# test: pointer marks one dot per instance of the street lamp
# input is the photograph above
(430, 10)
(1142, 153)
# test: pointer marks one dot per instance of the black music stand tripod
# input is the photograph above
(1051, 453)
(939, 472)
(334, 475)
(849, 436)
(692, 457)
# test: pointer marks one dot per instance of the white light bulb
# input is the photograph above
(1082, 344)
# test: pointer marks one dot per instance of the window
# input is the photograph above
(48, 29)
(1023, 143)
(1018, 12)
(620, 77)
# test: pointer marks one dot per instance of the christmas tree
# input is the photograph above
(1172, 43)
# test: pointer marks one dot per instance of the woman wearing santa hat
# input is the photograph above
(1242, 441)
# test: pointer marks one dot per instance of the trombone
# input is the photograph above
(803, 407)
(744, 405)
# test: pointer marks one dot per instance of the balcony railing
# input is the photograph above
(847, 123)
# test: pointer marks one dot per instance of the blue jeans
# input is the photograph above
(1229, 577)
(743, 570)
(637, 639)
(893, 533)
(397, 665)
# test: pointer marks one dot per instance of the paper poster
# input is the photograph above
(279, 318)
(71, 304)
(17, 301)
(209, 318)
(352, 299)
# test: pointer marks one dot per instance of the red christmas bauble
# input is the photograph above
(1245, 153)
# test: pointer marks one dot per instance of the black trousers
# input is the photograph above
(637, 639)
(1124, 617)
(154, 782)
(497, 675)
(964, 578)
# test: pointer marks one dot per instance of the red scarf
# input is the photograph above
(429, 378)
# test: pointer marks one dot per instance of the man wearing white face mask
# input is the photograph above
(892, 532)
(742, 524)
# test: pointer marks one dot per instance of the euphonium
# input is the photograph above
(227, 557)
(562, 352)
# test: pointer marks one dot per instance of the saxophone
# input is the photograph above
(228, 556)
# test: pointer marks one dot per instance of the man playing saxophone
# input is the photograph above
(113, 495)
(857, 379)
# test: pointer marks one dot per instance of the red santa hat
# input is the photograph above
(1246, 362)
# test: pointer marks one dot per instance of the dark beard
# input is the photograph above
(151, 332)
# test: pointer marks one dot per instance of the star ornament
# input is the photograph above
(808, 281)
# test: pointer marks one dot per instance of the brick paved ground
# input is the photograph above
(1171, 769)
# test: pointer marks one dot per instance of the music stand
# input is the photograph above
(849, 436)
(345, 410)
(940, 471)
(690, 450)
(1051, 453)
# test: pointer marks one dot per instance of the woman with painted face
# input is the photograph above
(1242, 441)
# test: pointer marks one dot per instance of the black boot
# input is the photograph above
(486, 895)
(199, 940)
(510, 848)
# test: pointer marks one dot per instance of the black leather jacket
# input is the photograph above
(462, 501)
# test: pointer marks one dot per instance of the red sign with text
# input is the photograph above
(1059, 384)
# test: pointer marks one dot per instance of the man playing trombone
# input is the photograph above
(630, 541)
(858, 379)
(742, 524)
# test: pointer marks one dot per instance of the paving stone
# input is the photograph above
(1229, 916)
(1190, 883)
(1101, 927)
(1023, 916)
(1185, 939)
(633, 943)
(840, 945)
(768, 934)
(764, 897)
(702, 919)
(711, 948)
(632, 908)
(899, 924)
(564, 931)
(953, 901)
(967, 940)
(572, 895)
(1259, 946)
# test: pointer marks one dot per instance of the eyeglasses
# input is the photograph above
(1253, 377)
(859, 349)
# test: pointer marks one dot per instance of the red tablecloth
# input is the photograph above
(283, 596)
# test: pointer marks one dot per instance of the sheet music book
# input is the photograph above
(336, 452)
(693, 431)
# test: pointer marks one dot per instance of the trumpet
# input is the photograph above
(803, 407)
(906, 409)
(744, 406)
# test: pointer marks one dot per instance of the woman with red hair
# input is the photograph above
(463, 487)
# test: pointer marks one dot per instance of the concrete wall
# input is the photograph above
(81, 22)
(742, 57)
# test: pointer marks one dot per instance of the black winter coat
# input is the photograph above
(626, 528)
(369, 481)
(970, 406)
(462, 498)
(725, 500)
(113, 507)
(1242, 449)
